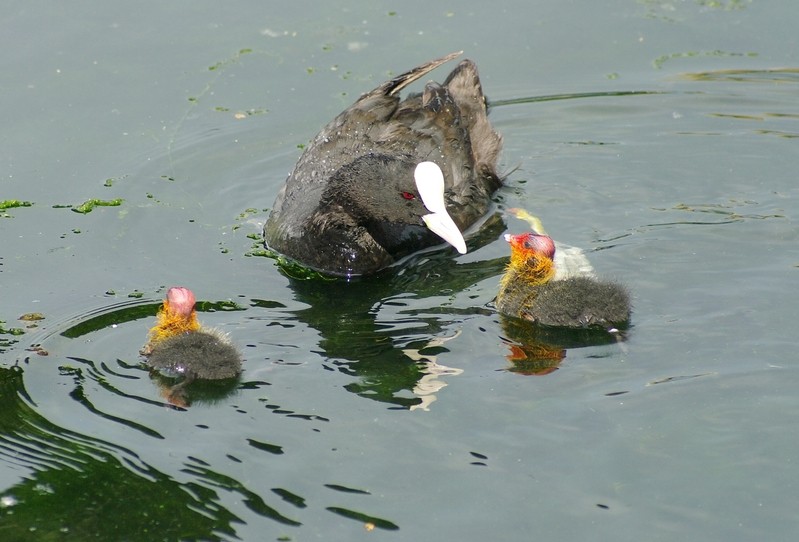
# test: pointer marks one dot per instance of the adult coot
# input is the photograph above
(532, 289)
(179, 346)
(352, 204)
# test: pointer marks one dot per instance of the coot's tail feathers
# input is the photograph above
(389, 88)
(464, 86)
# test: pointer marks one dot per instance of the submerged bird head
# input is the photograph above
(532, 256)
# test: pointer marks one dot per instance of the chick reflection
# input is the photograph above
(539, 350)
(529, 354)
(189, 361)
(182, 392)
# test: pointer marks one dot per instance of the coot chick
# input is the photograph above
(351, 206)
(180, 346)
(529, 290)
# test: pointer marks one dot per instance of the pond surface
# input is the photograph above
(145, 144)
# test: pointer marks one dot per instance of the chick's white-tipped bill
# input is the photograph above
(442, 225)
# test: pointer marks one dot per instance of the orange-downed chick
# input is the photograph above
(531, 266)
(179, 346)
(529, 290)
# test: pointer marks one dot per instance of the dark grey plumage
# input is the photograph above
(205, 355)
(574, 302)
(351, 207)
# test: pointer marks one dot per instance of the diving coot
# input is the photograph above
(352, 205)
(531, 289)
(179, 346)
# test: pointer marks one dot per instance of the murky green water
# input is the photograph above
(660, 137)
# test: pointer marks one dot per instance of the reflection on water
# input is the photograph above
(73, 472)
(538, 350)
(394, 360)
(388, 358)
(78, 481)
(91, 373)
(272, 444)
(431, 382)
(182, 393)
